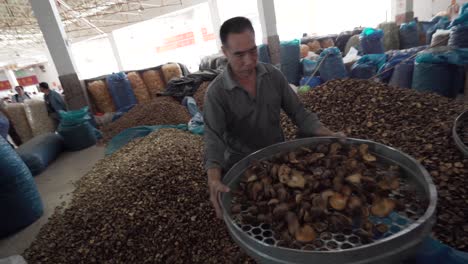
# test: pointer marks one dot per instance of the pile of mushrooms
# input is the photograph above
(329, 188)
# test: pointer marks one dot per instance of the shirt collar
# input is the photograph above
(230, 83)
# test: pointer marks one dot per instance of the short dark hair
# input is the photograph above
(19, 86)
(44, 85)
(234, 25)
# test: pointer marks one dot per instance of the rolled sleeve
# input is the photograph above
(215, 126)
(307, 122)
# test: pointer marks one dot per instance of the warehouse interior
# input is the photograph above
(122, 140)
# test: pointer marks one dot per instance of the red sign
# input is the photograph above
(26, 81)
(177, 41)
(206, 36)
(5, 85)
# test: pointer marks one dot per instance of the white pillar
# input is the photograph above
(216, 21)
(52, 29)
(266, 11)
(11, 78)
(115, 51)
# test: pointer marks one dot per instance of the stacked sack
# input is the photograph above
(391, 38)
(290, 60)
(409, 36)
(372, 41)
(76, 129)
(153, 81)
(367, 66)
(101, 96)
(331, 65)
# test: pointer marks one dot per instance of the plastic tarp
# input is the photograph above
(263, 53)
(459, 36)
(130, 134)
(290, 60)
(196, 125)
(367, 66)
(121, 90)
(372, 41)
(332, 66)
(409, 37)
(464, 9)
(434, 252)
(40, 151)
(462, 19)
(20, 202)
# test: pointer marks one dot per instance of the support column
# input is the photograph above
(52, 29)
(216, 21)
(403, 10)
(11, 78)
(115, 51)
(266, 11)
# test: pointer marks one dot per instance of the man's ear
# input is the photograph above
(223, 48)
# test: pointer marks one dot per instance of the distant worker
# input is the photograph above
(53, 101)
(20, 95)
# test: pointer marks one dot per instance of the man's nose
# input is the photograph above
(249, 59)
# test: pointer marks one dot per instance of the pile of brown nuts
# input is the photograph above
(160, 111)
(310, 192)
(418, 124)
(146, 203)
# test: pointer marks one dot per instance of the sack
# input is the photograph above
(20, 203)
(310, 82)
(459, 36)
(290, 59)
(391, 38)
(367, 66)
(38, 117)
(308, 67)
(171, 71)
(371, 41)
(79, 136)
(121, 90)
(435, 77)
(40, 151)
(353, 42)
(4, 126)
(440, 38)
(402, 75)
(74, 117)
(139, 88)
(154, 82)
(304, 51)
(442, 23)
(342, 40)
(395, 57)
(326, 42)
(314, 45)
(264, 54)
(409, 36)
(19, 120)
(332, 66)
(101, 96)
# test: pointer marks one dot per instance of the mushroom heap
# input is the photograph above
(329, 188)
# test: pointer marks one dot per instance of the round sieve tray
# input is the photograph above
(460, 122)
(393, 248)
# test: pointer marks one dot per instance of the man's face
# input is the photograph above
(241, 52)
(41, 89)
(18, 90)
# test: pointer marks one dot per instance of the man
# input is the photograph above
(242, 107)
(20, 95)
(53, 101)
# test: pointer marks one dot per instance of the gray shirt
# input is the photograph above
(237, 124)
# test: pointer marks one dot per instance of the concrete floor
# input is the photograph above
(55, 186)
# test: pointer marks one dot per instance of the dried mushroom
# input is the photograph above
(325, 189)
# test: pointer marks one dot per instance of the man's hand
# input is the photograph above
(216, 186)
(340, 135)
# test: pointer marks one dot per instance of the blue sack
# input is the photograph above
(442, 23)
(121, 91)
(332, 66)
(435, 77)
(311, 82)
(130, 134)
(459, 36)
(290, 60)
(402, 75)
(122, 112)
(4, 126)
(79, 136)
(308, 67)
(196, 125)
(263, 53)
(372, 41)
(409, 36)
(40, 151)
(20, 202)
(367, 66)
